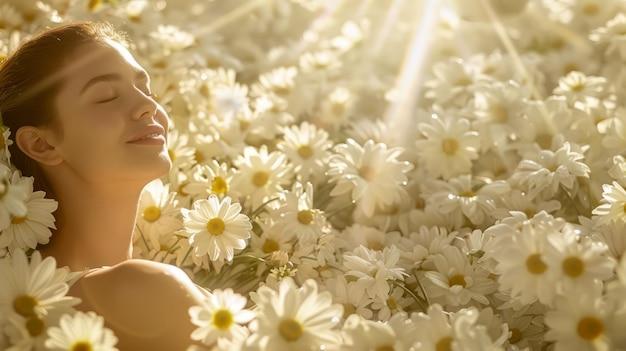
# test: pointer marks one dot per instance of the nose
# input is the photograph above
(146, 107)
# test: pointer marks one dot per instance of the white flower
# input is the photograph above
(158, 213)
(222, 315)
(34, 293)
(295, 318)
(297, 215)
(27, 231)
(448, 147)
(580, 321)
(582, 262)
(578, 87)
(521, 265)
(12, 198)
(473, 198)
(82, 331)
(216, 228)
(455, 281)
(548, 170)
(371, 173)
(612, 36)
(613, 206)
(307, 147)
(262, 174)
(373, 269)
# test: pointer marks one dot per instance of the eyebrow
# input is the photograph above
(140, 75)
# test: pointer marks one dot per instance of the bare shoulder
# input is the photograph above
(141, 298)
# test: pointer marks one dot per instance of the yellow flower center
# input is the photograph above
(222, 319)
(198, 156)
(25, 305)
(215, 226)
(457, 279)
(499, 113)
(573, 266)
(375, 245)
(444, 344)
(171, 154)
(392, 303)
(516, 336)
(290, 329)
(181, 188)
(305, 151)
(270, 246)
(151, 213)
(450, 146)
(591, 9)
(4, 188)
(18, 220)
(219, 186)
(535, 264)
(589, 328)
(384, 348)
(81, 346)
(467, 193)
(94, 5)
(348, 309)
(366, 172)
(260, 178)
(35, 326)
(305, 217)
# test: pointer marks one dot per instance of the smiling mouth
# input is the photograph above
(150, 139)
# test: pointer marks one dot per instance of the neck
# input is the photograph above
(94, 226)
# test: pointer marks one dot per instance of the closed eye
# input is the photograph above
(107, 100)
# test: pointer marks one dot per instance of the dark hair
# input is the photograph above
(31, 77)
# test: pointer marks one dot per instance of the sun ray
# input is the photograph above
(411, 74)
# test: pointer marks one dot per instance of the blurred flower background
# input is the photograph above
(361, 175)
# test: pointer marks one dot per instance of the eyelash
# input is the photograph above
(107, 100)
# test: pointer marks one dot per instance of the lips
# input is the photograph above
(151, 134)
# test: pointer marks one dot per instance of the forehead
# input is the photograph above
(93, 59)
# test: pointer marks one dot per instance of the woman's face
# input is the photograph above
(111, 129)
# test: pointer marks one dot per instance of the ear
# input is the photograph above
(34, 142)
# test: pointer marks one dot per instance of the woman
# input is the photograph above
(86, 126)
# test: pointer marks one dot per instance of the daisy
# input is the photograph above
(262, 174)
(336, 110)
(363, 334)
(371, 173)
(27, 231)
(222, 315)
(580, 321)
(612, 36)
(352, 297)
(12, 198)
(453, 82)
(272, 240)
(295, 318)
(35, 291)
(298, 215)
(455, 282)
(212, 178)
(581, 260)
(374, 269)
(548, 170)
(307, 147)
(158, 213)
(521, 265)
(216, 228)
(81, 331)
(613, 205)
(578, 87)
(448, 146)
(466, 196)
